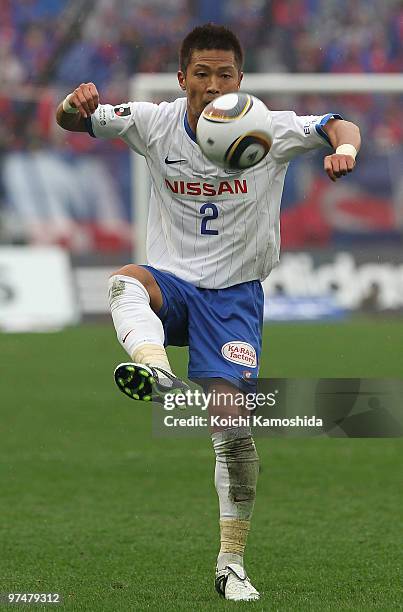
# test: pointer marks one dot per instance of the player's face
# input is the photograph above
(210, 73)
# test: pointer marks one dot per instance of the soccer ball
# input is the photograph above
(234, 131)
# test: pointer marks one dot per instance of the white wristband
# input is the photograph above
(67, 106)
(347, 149)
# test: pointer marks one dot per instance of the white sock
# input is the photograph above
(236, 473)
(138, 328)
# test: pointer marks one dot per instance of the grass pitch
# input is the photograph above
(96, 509)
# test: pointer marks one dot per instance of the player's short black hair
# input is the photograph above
(210, 36)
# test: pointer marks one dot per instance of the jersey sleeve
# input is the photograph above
(294, 134)
(130, 121)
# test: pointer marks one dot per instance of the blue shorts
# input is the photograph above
(222, 327)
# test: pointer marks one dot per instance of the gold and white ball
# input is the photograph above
(234, 131)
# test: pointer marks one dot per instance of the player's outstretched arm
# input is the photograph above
(77, 106)
(345, 138)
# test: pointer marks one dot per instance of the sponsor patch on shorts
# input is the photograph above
(241, 353)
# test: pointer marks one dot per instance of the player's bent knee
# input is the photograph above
(141, 274)
(130, 270)
(148, 281)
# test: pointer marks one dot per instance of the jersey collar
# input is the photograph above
(188, 129)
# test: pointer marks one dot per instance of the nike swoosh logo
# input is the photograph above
(125, 338)
(174, 161)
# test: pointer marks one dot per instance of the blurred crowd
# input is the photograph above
(60, 43)
(110, 40)
(49, 46)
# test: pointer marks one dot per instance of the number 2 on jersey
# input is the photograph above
(214, 214)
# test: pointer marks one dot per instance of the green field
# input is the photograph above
(95, 508)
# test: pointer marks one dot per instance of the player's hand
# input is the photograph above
(85, 98)
(337, 165)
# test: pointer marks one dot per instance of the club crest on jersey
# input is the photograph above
(122, 111)
(241, 353)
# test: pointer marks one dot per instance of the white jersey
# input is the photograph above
(211, 227)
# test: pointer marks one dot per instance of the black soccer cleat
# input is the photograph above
(141, 382)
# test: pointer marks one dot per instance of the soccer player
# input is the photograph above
(213, 237)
